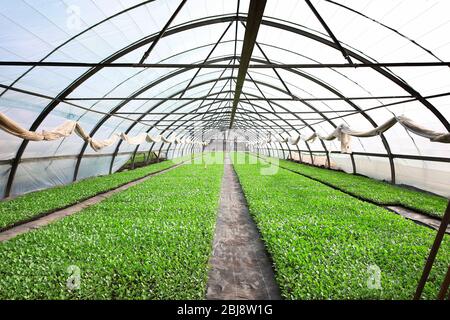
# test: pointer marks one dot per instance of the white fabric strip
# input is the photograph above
(344, 134)
(69, 127)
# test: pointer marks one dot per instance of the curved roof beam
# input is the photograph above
(315, 110)
(357, 56)
(334, 91)
(252, 132)
(199, 23)
(249, 127)
(74, 37)
(199, 84)
(168, 128)
(147, 87)
(176, 120)
(140, 91)
(269, 111)
(384, 26)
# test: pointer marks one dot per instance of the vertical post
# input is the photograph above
(433, 252)
(246, 146)
(132, 161)
(299, 154)
(352, 158)
(203, 146)
(282, 151)
(203, 140)
(149, 153)
(444, 286)
(224, 142)
(192, 149)
(328, 159)
(257, 143)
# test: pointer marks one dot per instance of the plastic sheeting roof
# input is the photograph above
(105, 100)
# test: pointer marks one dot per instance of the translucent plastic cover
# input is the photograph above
(188, 102)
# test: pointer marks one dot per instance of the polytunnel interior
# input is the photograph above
(224, 150)
(195, 69)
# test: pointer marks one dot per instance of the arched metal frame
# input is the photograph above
(162, 145)
(182, 136)
(250, 127)
(190, 119)
(173, 130)
(198, 23)
(244, 101)
(206, 82)
(270, 85)
(253, 104)
(275, 88)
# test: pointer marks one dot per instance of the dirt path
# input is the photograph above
(240, 266)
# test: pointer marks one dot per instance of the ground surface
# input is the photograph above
(240, 267)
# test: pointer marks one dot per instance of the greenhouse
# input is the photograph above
(224, 150)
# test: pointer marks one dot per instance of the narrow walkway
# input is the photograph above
(240, 266)
(417, 217)
(59, 214)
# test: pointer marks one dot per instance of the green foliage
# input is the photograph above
(374, 190)
(324, 242)
(32, 204)
(151, 241)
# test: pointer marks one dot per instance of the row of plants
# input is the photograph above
(152, 241)
(379, 192)
(40, 202)
(326, 244)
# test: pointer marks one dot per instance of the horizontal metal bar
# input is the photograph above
(219, 125)
(433, 96)
(381, 155)
(170, 99)
(35, 94)
(301, 150)
(225, 112)
(222, 66)
(230, 99)
(399, 156)
(207, 120)
(62, 157)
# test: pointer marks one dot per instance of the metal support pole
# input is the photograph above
(224, 142)
(257, 143)
(444, 286)
(133, 160)
(330, 33)
(353, 163)
(161, 33)
(433, 252)
(150, 152)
